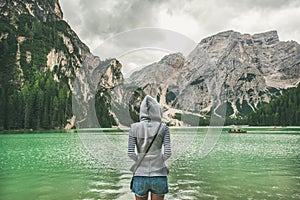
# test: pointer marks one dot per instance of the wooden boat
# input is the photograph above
(236, 131)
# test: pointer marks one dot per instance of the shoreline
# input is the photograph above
(117, 129)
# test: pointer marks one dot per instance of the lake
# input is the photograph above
(92, 164)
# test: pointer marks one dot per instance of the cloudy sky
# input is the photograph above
(96, 20)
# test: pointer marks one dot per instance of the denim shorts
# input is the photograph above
(155, 184)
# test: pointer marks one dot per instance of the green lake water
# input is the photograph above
(263, 164)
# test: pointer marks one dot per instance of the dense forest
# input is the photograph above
(283, 111)
(30, 98)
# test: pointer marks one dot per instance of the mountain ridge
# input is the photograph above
(238, 71)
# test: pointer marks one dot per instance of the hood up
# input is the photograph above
(150, 109)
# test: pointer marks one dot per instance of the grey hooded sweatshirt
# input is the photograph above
(140, 136)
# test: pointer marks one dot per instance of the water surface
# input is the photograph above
(263, 164)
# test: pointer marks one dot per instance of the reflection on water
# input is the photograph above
(246, 166)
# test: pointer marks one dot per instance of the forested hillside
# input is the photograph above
(40, 56)
(30, 97)
(284, 111)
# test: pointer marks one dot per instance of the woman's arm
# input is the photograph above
(167, 144)
(131, 147)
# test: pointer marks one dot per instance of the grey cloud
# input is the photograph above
(96, 20)
(218, 15)
(105, 18)
(145, 38)
(265, 4)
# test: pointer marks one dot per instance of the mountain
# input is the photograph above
(229, 70)
(49, 78)
(45, 69)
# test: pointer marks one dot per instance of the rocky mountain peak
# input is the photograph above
(175, 60)
(220, 36)
(270, 37)
(229, 69)
(112, 75)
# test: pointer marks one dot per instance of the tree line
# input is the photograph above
(283, 111)
(40, 104)
(30, 98)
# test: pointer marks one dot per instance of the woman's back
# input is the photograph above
(141, 134)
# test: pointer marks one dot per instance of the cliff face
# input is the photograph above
(247, 70)
(238, 71)
(42, 56)
(44, 11)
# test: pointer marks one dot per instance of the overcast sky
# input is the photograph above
(96, 20)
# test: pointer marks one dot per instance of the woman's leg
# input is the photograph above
(157, 197)
(141, 198)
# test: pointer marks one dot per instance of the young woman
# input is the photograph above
(150, 170)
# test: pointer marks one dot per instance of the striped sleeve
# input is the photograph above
(131, 147)
(167, 144)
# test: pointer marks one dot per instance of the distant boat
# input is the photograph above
(236, 131)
